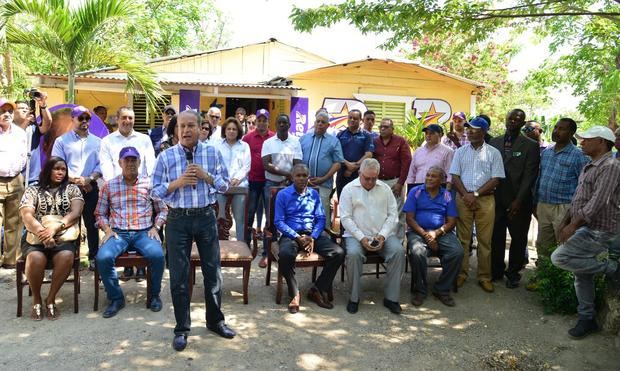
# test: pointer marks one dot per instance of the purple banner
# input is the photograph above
(299, 116)
(189, 98)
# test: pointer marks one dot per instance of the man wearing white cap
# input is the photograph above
(13, 155)
(590, 225)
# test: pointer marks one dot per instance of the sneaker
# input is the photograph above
(583, 328)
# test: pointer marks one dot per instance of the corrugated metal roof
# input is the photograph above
(175, 79)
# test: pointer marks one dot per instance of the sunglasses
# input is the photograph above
(205, 128)
(83, 118)
(214, 117)
(10, 110)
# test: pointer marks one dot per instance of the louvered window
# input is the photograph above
(144, 122)
(393, 110)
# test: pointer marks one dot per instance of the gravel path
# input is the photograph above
(503, 330)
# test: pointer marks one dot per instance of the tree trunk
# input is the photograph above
(8, 64)
(71, 86)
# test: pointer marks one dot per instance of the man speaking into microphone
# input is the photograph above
(187, 177)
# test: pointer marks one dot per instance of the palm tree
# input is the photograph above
(73, 36)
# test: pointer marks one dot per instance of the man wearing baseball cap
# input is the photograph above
(125, 214)
(457, 136)
(256, 176)
(590, 225)
(476, 169)
(80, 150)
(431, 153)
(13, 157)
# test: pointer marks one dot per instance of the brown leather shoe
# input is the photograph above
(446, 299)
(263, 262)
(293, 306)
(487, 286)
(417, 299)
(315, 296)
(460, 281)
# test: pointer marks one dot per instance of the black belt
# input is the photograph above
(384, 179)
(191, 211)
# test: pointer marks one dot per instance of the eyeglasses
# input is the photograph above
(205, 128)
(83, 118)
(385, 127)
(215, 117)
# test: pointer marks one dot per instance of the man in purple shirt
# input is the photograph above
(431, 217)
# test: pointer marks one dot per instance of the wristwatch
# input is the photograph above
(92, 179)
(476, 194)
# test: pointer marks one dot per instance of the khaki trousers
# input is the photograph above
(11, 191)
(549, 217)
(484, 219)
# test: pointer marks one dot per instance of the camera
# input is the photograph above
(32, 93)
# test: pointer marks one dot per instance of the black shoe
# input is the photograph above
(512, 282)
(583, 328)
(91, 265)
(128, 272)
(155, 303)
(393, 306)
(179, 343)
(140, 274)
(352, 307)
(113, 307)
(223, 330)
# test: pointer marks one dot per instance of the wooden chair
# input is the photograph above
(20, 269)
(236, 254)
(302, 260)
(127, 260)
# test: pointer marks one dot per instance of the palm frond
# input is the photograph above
(39, 39)
(52, 15)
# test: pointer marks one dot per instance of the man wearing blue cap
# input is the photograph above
(125, 214)
(476, 170)
(513, 198)
(80, 150)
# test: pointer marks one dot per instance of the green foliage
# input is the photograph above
(412, 130)
(168, 27)
(71, 36)
(556, 288)
(590, 27)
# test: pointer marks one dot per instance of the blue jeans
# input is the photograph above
(257, 205)
(138, 240)
(181, 231)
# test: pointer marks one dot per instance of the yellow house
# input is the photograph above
(283, 79)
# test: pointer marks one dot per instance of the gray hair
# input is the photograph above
(322, 114)
(214, 110)
(439, 170)
(370, 164)
(194, 113)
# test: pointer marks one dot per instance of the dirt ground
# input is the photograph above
(503, 330)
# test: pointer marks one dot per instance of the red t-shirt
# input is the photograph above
(255, 141)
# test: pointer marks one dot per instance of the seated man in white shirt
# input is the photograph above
(370, 216)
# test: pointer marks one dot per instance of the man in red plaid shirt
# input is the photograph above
(125, 214)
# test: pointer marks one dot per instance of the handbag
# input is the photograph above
(68, 234)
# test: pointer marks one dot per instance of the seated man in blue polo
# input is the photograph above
(300, 217)
(431, 217)
(125, 214)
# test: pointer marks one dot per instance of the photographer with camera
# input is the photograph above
(369, 214)
(25, 118)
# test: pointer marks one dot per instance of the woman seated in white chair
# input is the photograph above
(50, 211)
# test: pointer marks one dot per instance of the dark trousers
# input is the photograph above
(181, 231)
(324, 246)
(255, 193)
(88, 213)
(518, 227)
(342, 181)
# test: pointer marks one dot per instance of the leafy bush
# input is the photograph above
(557, 290)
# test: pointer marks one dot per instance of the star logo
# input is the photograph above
(432, 116)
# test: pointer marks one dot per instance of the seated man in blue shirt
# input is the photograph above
(299, 216)
(431, 216)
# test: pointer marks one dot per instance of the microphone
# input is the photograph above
(189, 156)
